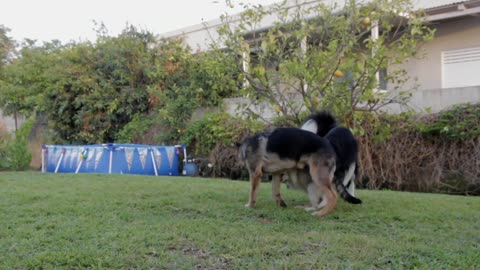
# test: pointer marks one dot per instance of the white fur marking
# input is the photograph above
(350, 176)
(351, 188)
(323, 203)
(332, 172)
(310, 125)
(312, 194)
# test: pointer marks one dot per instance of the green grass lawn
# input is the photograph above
(92, 221)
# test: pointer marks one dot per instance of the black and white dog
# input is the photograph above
(289, 149)
(346, 149)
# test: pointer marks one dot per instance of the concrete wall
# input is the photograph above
(436, 100)
(433, 99)
(240, 106)
(439, 99)
(8, 122)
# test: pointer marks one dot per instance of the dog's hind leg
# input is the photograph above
(351, 187)
(322, 176)
(254, 183)
(349, 180)
(276, 185)
(342, 177)
(329, 199)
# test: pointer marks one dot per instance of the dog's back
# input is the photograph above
(284, 148)
(295, 143)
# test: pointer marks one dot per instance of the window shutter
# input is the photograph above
(461, 68)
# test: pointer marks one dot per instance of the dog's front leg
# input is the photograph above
(322, 177)
(254, 183)
(276, 185)
(315, 198)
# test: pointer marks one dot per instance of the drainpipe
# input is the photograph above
(245, 62)
(374, 34)
(303, 47)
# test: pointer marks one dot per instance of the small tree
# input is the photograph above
(314, 56)
(188, 81)
(7, 45)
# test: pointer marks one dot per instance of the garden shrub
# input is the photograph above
(432, 153)
(458, 123)
(135, 130)
(14, 154)
(212, 138)
(5, 138)
(405, 151)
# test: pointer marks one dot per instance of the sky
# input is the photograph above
(68, 20)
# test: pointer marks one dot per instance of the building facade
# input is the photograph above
(449, 72)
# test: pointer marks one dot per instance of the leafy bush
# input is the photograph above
(212, 137)
(458, 123)
(14, 154)
(218, 128)
(135, 130)
(187, 83)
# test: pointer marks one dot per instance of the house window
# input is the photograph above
(460, 68)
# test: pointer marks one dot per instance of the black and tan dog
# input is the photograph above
(345, 145)
(346, 149)
(287, 149)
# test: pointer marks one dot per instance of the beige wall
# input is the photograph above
(455, 34)
(452, 34)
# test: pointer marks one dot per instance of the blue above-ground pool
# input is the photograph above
(112, 158)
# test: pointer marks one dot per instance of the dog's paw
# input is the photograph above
(308, 209)
(320, 213)
(248, 205)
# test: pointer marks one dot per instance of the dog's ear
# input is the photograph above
(237, 144)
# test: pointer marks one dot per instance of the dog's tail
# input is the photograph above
(320, 123)
(345, 195)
